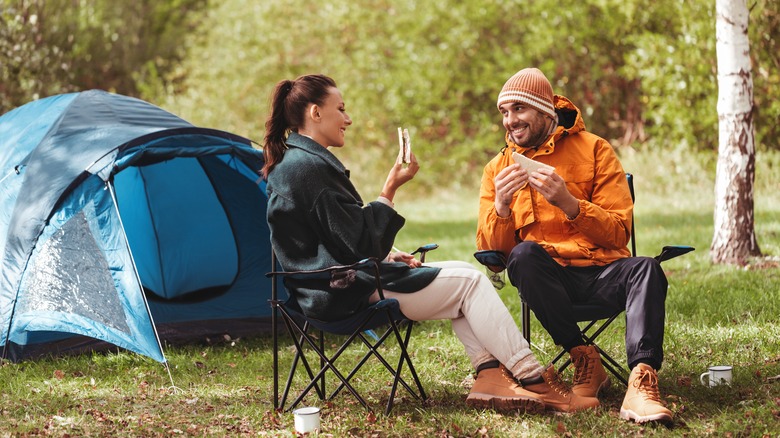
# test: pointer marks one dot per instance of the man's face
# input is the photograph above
(526, 126)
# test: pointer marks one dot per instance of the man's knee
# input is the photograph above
(652, 276)
(525, 261)
(527, 258)
(652, 267)
(524, 252)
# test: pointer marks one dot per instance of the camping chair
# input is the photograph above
(308, 335)
(597, 318)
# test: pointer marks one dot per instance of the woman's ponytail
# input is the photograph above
(276, 127)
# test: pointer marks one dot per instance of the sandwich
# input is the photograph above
(528, 164)
(405, 143)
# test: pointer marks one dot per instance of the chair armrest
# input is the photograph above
(493, 259)
(424, 250)
(672, 251)
(317, 273)
(328, 273)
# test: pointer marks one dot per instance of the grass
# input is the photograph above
(715, 315)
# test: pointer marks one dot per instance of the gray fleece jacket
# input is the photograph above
(317, 219)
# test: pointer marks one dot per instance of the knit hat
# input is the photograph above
(529, 86)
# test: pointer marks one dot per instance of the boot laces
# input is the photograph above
(554, 380)
(647, 382)
(582, 370)
(508, 376)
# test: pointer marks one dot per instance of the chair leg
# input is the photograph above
(609, 363)
(275, 342)
(613, 367)
(328, 364)
(299, 335)
(301, 339)
(321, 386)
(404, 357)
(412, 370)
(373, 351)
(298, 338)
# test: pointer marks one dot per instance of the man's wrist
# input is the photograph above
(573, 212)
(502, 210)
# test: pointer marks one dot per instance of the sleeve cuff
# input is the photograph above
(386, 201)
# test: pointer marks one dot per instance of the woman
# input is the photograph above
(317, 219)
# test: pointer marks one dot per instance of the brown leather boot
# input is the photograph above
(556, 394)
(643, 401)
(589, 374)
(495, 388)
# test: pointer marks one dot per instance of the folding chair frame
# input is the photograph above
(302, 337)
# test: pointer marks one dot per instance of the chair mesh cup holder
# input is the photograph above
(495, 266)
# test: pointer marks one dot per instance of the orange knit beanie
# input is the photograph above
(530, 87)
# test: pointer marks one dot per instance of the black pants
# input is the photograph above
(637, 285)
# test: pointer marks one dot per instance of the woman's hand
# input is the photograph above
(404, 257)
(399, 175)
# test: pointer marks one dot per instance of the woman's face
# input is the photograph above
(334, 120)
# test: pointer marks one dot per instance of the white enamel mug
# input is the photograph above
(716, 375)
(307, 419)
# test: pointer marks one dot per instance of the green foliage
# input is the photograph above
(673, 58)
(55, 46)
(30, 68)
(764, 33)
(643, 72)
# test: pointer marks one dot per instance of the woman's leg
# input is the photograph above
(464, 295)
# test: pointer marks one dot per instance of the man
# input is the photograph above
(565, 232)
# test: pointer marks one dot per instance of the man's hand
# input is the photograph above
(404, 257)
(509, 180)
(550, 185)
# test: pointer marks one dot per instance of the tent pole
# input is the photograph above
(110, 187)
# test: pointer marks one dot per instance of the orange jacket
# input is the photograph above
(593, 174)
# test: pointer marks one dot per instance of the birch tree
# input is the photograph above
(734, 240)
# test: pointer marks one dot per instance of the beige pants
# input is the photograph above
(464, 295)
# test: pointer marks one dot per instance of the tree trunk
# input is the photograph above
(734, 241)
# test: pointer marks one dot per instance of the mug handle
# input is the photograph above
(703, 375)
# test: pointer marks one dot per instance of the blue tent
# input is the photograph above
(122, 224)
